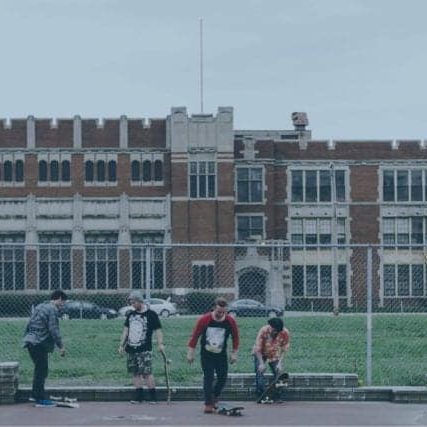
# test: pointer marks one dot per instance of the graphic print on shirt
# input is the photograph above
(137, 331)
(215, 339)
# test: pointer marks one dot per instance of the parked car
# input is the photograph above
(163, 307)
(74, 309)
(252, 308)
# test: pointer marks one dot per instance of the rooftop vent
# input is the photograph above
(300, 120)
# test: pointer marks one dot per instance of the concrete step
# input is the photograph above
(389, 394)
(311, 380)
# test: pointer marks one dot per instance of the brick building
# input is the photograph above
(80, 200)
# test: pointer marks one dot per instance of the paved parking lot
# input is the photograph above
(189, 413)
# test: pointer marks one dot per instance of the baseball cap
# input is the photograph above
(136, 296)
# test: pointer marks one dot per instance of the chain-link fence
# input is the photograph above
(354, 309)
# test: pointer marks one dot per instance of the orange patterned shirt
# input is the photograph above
(269, 347)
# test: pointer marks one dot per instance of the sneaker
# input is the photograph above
(44, 403)
(31, 399)
(215, 403)
(209, 409)
(136, 402)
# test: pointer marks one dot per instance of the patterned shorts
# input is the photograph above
(140, 363)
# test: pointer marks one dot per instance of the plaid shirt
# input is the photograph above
(269, 347)
(43, 327)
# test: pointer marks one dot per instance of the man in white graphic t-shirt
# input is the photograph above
(136, 341)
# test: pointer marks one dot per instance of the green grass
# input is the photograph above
(318, 344)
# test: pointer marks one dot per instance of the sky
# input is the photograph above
(357, 67)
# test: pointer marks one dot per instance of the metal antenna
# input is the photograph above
(201, 65)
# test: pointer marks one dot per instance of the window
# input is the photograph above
(203, 275)
(100, 169)
(314, 186)
(89, 175)
(250, 226)
(297, 186)
(249, 185)
(12, 262)
(135, 170)
(404, 185)
(404, 280)
(112, 171)
(316, 281)
(158, 170)
(139, 261)
(404, 231)
(55, 261)
(42, 170)
(65, 171)
(202, 179)
(53, 170)
(146, 170)
(8, 171)
(19, 171)
(314, 231)
(101, 261)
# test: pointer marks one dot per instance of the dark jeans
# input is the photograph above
(210, 365)
(260, 377)
(39, 356)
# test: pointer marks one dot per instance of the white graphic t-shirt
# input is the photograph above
(215, 338)
(137, 331)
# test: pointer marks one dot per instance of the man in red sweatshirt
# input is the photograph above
(214, 328)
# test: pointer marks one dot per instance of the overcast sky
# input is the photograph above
(357, 67)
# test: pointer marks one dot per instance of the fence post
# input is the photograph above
(147, 271)
(369, 317)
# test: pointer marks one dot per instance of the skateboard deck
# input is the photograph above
(65, 402)
(166, 363)
(231, 411)
(281, 380)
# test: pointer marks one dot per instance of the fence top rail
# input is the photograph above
(263, 245)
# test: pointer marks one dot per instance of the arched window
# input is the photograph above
(146, 170)
(42, 171)
(65, 171)
(135, 172)
(89, 170)
(54, 171)
(8, 173)
(19, 171)
(100, 171)
(158, 170)
(112, 171)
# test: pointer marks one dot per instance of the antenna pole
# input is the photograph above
(201, 65)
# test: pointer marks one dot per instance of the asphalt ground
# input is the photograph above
(190, 414)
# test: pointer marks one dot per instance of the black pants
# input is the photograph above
(39, 356)
(210, 365)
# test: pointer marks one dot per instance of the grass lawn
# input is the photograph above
(318, 344)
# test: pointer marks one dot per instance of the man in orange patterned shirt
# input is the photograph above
(271, 343)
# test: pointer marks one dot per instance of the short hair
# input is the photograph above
(276, 323)
(58, 294)
(221, 302)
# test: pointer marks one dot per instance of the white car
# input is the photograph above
(163, 307)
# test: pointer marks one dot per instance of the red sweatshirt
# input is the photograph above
(214, 334)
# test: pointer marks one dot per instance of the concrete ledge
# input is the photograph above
(316, 380)
(388, 394)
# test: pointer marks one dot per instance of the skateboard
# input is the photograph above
(281, 380)
(65, 402)
(166, 363)
(231, 411)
